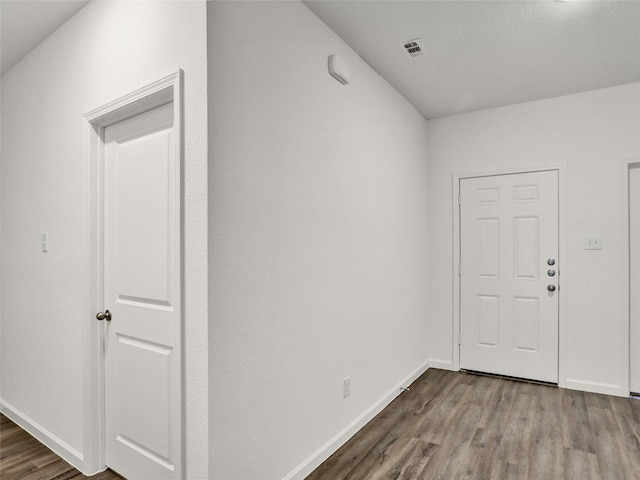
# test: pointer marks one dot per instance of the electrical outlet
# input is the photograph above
(346, 387)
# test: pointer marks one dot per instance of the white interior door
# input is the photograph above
(509, 263)
(634, 249)
(142, 294)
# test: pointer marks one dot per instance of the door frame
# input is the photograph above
(167, 89)
(627, 164)
(562, 249)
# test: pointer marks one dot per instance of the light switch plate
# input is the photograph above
(593, 243)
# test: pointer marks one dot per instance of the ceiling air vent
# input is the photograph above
(413, 48)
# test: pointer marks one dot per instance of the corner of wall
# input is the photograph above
(324, 452)
(45, 437)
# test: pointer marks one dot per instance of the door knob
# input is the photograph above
(104, 316)
(551, 288)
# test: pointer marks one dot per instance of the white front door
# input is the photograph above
(509, 275)
(142, 294)
(634, 294)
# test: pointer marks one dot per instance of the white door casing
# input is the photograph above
(508, 317)
(634, 278)
(133, 363)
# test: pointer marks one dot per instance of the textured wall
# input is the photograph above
(318, 246)
(107, 50)
(591, 134)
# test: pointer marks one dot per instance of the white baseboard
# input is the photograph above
(324, 452)
(441, 364)
(62, 449)
(595, 387)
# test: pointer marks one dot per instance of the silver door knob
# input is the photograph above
(104, 316)
(551, 288)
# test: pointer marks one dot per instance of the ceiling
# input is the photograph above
(484, 54)
(481, 53)
(26, 23)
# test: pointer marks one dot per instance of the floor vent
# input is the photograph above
(413, 48)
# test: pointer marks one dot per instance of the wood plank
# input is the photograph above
(410, 462)
(545, 459)
(509, 471)
(496, 420)
(518, 434)
(20, 453)
(614, 458)
(443, 413)
(490, 390)
(580, 465)
(447, 460)
(476, 464)
(576, 426)
(627, 415)
(23, 457)
(71, 475)
(50, 470)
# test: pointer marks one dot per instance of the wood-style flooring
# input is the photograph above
(453, 425)
(449, 426)
(22, 457)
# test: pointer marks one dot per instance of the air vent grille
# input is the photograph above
(413, 48)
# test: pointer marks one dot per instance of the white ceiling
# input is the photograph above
(484, 54)
(481, 53)
(26, 23)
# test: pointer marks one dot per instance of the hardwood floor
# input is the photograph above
(22, 457)
(449, 426)
(453, 425)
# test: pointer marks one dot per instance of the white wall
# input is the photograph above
(107, 50)
(590, 134)
(318, 239)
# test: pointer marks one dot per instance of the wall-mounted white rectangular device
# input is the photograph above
(339, 69)
(593, 242)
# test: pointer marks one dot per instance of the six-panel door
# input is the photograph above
(509, 265)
